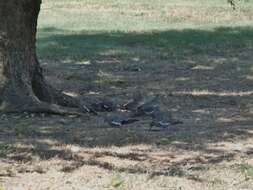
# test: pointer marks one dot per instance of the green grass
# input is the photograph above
(5, 149)
(83, 29)
(141, 15)
(247, 170)
(82, 45)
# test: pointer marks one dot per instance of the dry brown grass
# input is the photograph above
(204, 78)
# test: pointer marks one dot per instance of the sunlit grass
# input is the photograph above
(213, 93)
(140, 15)
(81, 29)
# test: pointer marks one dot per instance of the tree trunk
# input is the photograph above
(22, 85)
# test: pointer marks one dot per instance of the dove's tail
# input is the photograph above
(176, 122)
(129, 121)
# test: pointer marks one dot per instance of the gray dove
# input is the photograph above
(162, 120)
(149, 107)
(134, 102)
(120, 119)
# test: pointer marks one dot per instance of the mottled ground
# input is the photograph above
(203, 73)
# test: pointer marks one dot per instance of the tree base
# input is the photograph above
(31, 104)
(38, 97)
(22, 85)
(42, 107)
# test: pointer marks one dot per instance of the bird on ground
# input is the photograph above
(85, 107)
(94, 105)
(120, 119)
(104, 105)
(133, 104)
(149, 107)
(162, 120)
(97, 105)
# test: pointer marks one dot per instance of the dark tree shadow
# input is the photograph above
(205, 78)
(190, 59)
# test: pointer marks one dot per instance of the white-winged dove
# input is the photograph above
(104, 105)
(120, 119)
(148, 107)
(162, 120)
(133, 104)
(86, 107)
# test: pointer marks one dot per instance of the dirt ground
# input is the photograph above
(212, 149)
(196, 55)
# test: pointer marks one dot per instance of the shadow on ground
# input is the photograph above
(53, 42)
(204, 77)
(185, 59)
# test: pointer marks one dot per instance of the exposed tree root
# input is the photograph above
(19, 100)
(52, 109)
(41, 107)
(46, 93)
(23, 87)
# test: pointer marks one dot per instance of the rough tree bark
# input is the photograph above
(22, 85)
